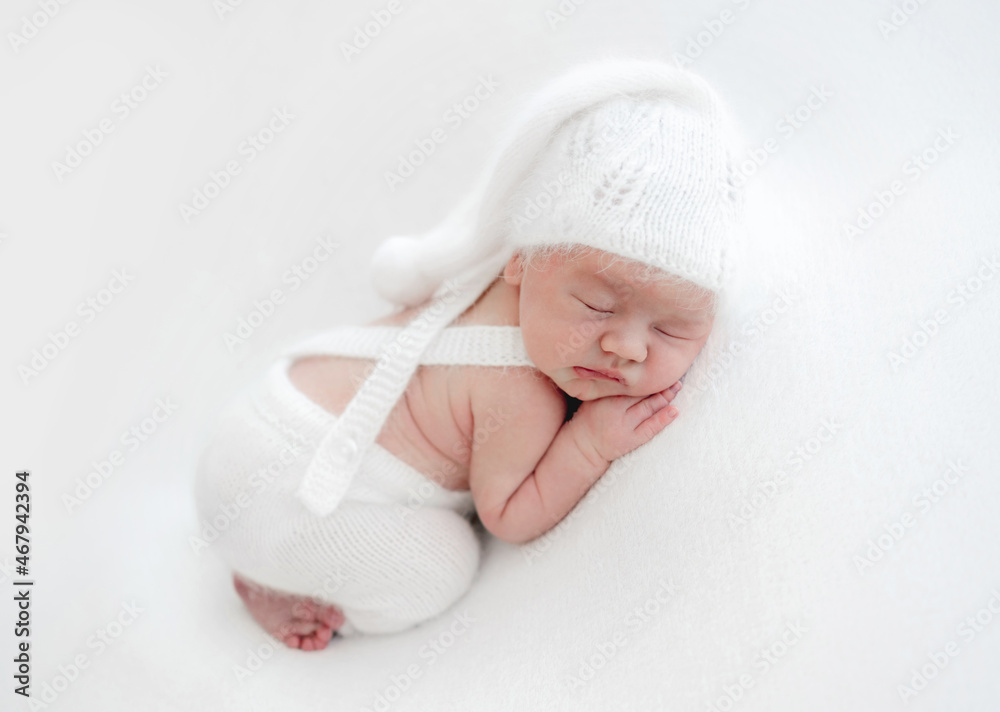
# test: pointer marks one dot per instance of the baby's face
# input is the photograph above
(581, 315)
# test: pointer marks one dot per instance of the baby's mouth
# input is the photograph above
(596, 375)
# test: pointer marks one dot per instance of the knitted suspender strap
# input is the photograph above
(470, 345)
(339, 455)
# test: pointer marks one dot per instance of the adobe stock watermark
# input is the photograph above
(450, 290)
(32, 24)
(255, 658)
(294, 277)
(225, 7)
(429, 653)
(963, 293)
(453, 117)
(294, 445)
(121, 108)
(767, 658)
(541, 544)
(249, 149)
(937, 660)
(88, 310)
(767, 490)
(131, 440)
(446, 294)
(562, 12)
(330, 586)
(714, 28)
(749, 331)
(422, 493)
(914, 168)
(900, 15)
(923, 502)
(99, 641)
(604, 652)
(786, 127)
(215, 526)
(536, 205)
(364, 34)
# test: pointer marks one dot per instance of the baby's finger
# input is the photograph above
(646, 407)
(657, 422)
(670, 393)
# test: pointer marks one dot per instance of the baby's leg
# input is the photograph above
(384, 567)
(409, 565)
(297, 621)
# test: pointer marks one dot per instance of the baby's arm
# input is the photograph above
(528, 474)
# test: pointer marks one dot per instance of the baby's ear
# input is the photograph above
(514, 271)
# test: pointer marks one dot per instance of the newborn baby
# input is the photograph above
(607, 296)
(599, 330)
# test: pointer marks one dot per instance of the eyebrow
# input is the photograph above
(607, 279)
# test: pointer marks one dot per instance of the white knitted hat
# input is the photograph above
(648, 177)
(633, 157)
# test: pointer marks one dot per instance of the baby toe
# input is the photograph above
(330, 616)
(304, 627)
(304, 610)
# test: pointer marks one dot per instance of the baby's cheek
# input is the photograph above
(573, 340)
(664, 372)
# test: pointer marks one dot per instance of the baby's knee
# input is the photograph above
(431, 566)
(433, 558)
(449, 539)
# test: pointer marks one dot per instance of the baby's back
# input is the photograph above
(432, 427)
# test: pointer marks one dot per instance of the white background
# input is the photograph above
(667, 516)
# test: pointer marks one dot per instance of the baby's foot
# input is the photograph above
(296, 621)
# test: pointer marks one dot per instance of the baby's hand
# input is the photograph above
(611, 426)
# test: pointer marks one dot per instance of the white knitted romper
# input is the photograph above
(397, 549)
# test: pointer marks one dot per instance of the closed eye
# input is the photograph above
(599, 311)
(672, 336)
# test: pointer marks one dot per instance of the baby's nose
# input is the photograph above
(627, 345)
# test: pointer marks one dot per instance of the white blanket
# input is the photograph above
(817, 530)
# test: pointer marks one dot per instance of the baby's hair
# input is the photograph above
(536, 257)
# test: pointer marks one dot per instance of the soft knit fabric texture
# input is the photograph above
(456, 345)
(643, 179)
(398, 549)
(646, 147)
